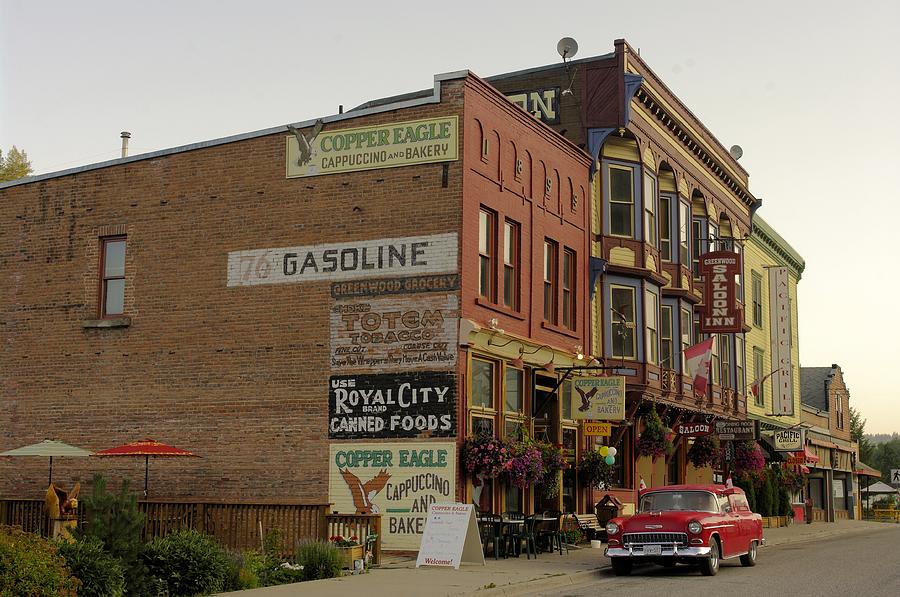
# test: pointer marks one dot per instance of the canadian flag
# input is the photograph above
(754, 387)
(697, 359)
(643, 485)
(729, 483)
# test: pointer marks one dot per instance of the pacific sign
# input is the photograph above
(789, 440)
(720, 313)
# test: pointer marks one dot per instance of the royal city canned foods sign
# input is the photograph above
(789, 440)
(737, 430)
(368, 148)
(397, 480)
(392, 405)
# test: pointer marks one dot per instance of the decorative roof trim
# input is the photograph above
(776, 243)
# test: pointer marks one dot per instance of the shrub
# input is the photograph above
(319, 560)
(101, 574)
(245, 570)
(188, 562)
(766, 503)
(115, 520)
(653, 441)
(31, 567)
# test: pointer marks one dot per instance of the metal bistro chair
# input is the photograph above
(552, 532)
(489, 526)
(527, 534)
(512, 532)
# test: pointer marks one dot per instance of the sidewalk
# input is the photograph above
(515, 575)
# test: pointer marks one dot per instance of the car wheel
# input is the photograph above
(621, 566)
(749, 559)
(710, 565)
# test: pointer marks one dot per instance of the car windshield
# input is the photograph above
(693, 501)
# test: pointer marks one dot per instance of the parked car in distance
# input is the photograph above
(699, 524)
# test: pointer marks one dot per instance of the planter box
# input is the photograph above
(350, 554)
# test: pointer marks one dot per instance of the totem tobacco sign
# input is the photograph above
(369, 148)
(408, 332)
(720, 313)
(392, 405)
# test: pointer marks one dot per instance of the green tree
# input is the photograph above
(858, 434)
(14, 165)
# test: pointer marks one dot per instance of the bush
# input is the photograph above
(246, 570)
(188, 563)
(319, 560)
(766, 503)
(31, 567)
(101, 574)
(115, 520)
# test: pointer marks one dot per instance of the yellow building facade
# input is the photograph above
(764, 249)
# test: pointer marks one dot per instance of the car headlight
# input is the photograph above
(695, 527)
(612, 528)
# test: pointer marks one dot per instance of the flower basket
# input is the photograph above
(553, 461)
(485, 457)
(748, 457)
(525, 466)
(704, 451)
(593, 470)
(653, 441)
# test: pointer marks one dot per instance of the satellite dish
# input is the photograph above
(567, 47)
(736, 152)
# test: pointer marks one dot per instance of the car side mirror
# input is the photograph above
(727, 509)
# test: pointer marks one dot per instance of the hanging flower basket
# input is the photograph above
(748, 457)
(554, 461)
(594, 472)
(525, 466)
(485, 457)
(792, 479)
(653, 441)
(704, 451)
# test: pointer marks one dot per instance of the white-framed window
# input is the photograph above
(651, 229)
(665, 227)
(686, 328)
(511, 259)
(756, 292)
(740, 356)
(725, 352)
(551, 257)
(666, 341)
(112, 276)
(621, 200)
(684, 237)
(486, 253)
(651, 312)
(758, 374)
(568, 288)
(622, 316)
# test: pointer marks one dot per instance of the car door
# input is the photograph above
(731, 529)
(740, 513)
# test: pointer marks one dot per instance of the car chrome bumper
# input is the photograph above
(668, 551)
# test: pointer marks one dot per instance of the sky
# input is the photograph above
(808, 89)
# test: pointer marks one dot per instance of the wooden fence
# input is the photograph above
(361, 526)
(237, 525)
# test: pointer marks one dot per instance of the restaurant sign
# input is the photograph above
(598, 398)
(409, 332)
(368, 148)
(720, 314)
(789, 440)
(392, 405)
(398, 480)
(693, 429)
(737, 430)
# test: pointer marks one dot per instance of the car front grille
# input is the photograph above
(679, 539)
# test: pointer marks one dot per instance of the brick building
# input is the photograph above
(303, 307)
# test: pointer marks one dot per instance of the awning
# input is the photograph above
(803, 456)
(825, 444)
(864, 470)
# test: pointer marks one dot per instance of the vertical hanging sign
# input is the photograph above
(780, 330)
(720, 313)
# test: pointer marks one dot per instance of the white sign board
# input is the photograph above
(598, 398)
(789, 440)
(379, 258)
(780, 329)
(895, 476)
(450, 536)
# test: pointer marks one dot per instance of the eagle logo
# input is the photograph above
(364, 493)
(304, 144)
(585, 398)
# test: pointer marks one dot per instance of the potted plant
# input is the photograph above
(484, 457)
(704, 451)
(351, 549)
(554, 461)
(653, 441)
(524, 466)
(594, 471)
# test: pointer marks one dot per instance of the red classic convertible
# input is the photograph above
(700, 524)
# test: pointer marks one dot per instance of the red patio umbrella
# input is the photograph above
(145, 448)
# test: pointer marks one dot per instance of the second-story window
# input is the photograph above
(686, 327)
(511, 254)
(756, 289)
(760, 396)
(666, 344)
(740, 383)
(551, 256)
(650, 225)
(684, 225)
(112, 284)
(621, 201)
(725, 351)
(486, 254)
(568, 289)
(623, 325)
(665, 227)
(651, 309)
(697, 239)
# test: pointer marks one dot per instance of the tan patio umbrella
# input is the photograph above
(49, 448)
(145, 448)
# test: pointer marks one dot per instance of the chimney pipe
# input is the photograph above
(125, 137)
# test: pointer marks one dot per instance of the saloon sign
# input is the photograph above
(392, 405)
(693, 429)
(720, 311)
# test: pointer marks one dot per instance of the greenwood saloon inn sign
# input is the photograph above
(720, 314)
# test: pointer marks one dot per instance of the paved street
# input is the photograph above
(861, 564)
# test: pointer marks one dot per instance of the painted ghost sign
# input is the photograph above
(404, 332)
(398, 481)
(392, 405)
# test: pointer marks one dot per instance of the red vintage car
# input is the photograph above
(699, 524)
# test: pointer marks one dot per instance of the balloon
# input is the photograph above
(613, 451)
(610, 460)
(604, 450)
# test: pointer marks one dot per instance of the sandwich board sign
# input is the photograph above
(450, 537)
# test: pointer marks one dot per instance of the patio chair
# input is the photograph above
(513, 523)
(527, 535)
(552, 532)
(489, 526)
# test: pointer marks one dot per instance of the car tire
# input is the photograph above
(621, 566)
(749, 559)
(709, 566)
